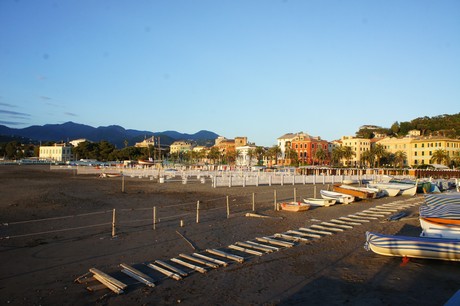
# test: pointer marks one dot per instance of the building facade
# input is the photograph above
(180, 147)
(59, 152)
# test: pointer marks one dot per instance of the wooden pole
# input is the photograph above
(122, 183)
(253, 202)
(154, 217)
(197, 211)
(113, 224)
(228, 208)
(274, 196)
(295, 194)
(314, 191)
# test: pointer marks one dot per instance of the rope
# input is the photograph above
(55, 231)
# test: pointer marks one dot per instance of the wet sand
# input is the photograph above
(334, 270)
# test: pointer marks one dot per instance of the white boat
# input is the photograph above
(404, 189)
(339, 197)
(320, 202)
(416, 247)
(433, 229)
(389, 191)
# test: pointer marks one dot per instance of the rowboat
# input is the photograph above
(416, 247)
(294, 206)
(404, 189)
(447, 228)
(339, 197)
(389, 191)
(354, 191)
(320, 202)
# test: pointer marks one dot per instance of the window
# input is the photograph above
(415, 146)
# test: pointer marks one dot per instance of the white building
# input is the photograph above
(60, 152)
(243, 157)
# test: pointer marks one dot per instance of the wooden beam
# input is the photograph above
(165, 272)
(327, 228)
(276, 242)
(172, 268)
(304, 229)
(188, 265)
(255, 247)
(245, 250)
(109, 278)
(289, 237)
(362, 217)
(108, 284)
(211, 259)
(200, 261)
(353, 219)
(226, 255)
(263, 245)
(344, 222)
(339, 226)
(304, 234)
(138, 275)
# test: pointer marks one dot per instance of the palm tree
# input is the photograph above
(259, 151)
(214, 154)
(440, 156)
(400, 157)
(274, 152)
(251, 155)
(367, 158)
(292, 156)
(337, 155)
(379, 152)
(348, 153)
(320, 155)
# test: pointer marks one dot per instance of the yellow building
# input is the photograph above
(358, 145)
(60, 152)
(419, 150)
(180, 146)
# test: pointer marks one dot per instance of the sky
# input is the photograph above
(255, 68)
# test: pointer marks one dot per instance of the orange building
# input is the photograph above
(306, 147)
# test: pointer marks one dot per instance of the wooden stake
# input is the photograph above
(113, 224)
(188, 241)
(200, 261)
(314, 191)
(211, 259)
(138, 275)
(274, 196)
(172, 268)
(165, 272)
(122, 183)
(295, 194)
(226, 255)
(228, 207)
(197, 211)
(188, 265)
(253, 202)
(154, 217)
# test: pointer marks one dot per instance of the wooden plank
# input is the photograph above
(344, 222)
(254, 247)
(327, 228)
(108, 284)
(271, 247)
(245, 250)
(365, 216)
(188, 265)
(211, 259)
(337, 225)
(138, 275)
(304, 234)
(109, 278)
(276, 242)
(226, 255)
(165, 272)
(385, 208)
(96, 287)
(200, 261)
(370, 211)
(353, 219)
(293, 238)
(304, 229)
(172, 268)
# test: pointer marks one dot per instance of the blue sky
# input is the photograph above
(238, 68)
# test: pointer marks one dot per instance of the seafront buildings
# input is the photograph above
(59, 152)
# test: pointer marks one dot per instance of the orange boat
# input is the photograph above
(294, 206)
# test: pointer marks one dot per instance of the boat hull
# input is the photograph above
(362, 194)
(339, 197)
(320, 202)
(415, 247)
(294, 206)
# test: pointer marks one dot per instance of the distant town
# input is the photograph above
(368, 148)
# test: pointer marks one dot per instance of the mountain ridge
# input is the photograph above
(113, 133)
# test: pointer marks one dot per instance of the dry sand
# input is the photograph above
(334, 270)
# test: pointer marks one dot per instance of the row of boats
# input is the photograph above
(440, 236)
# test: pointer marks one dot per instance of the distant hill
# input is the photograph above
(114, 134)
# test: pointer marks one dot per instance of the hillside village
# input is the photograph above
(292, 149)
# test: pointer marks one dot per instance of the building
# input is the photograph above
(284, 143)
(60, 152)
(151, 141)
(307, 147)
(229, 145)
(419, 150)
(358, 146)
(76, 142)
(180, 147)
(245, 156)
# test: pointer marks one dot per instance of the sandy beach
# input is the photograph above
(60, 225)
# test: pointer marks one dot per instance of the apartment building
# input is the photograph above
(59, 152)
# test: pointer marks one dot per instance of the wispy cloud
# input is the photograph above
(11, 122)
(7, 105)
(11, 113)
(41, 77)
(70, 114)
(45, 98)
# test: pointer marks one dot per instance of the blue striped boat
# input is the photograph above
(415, 247)
(450, 198)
